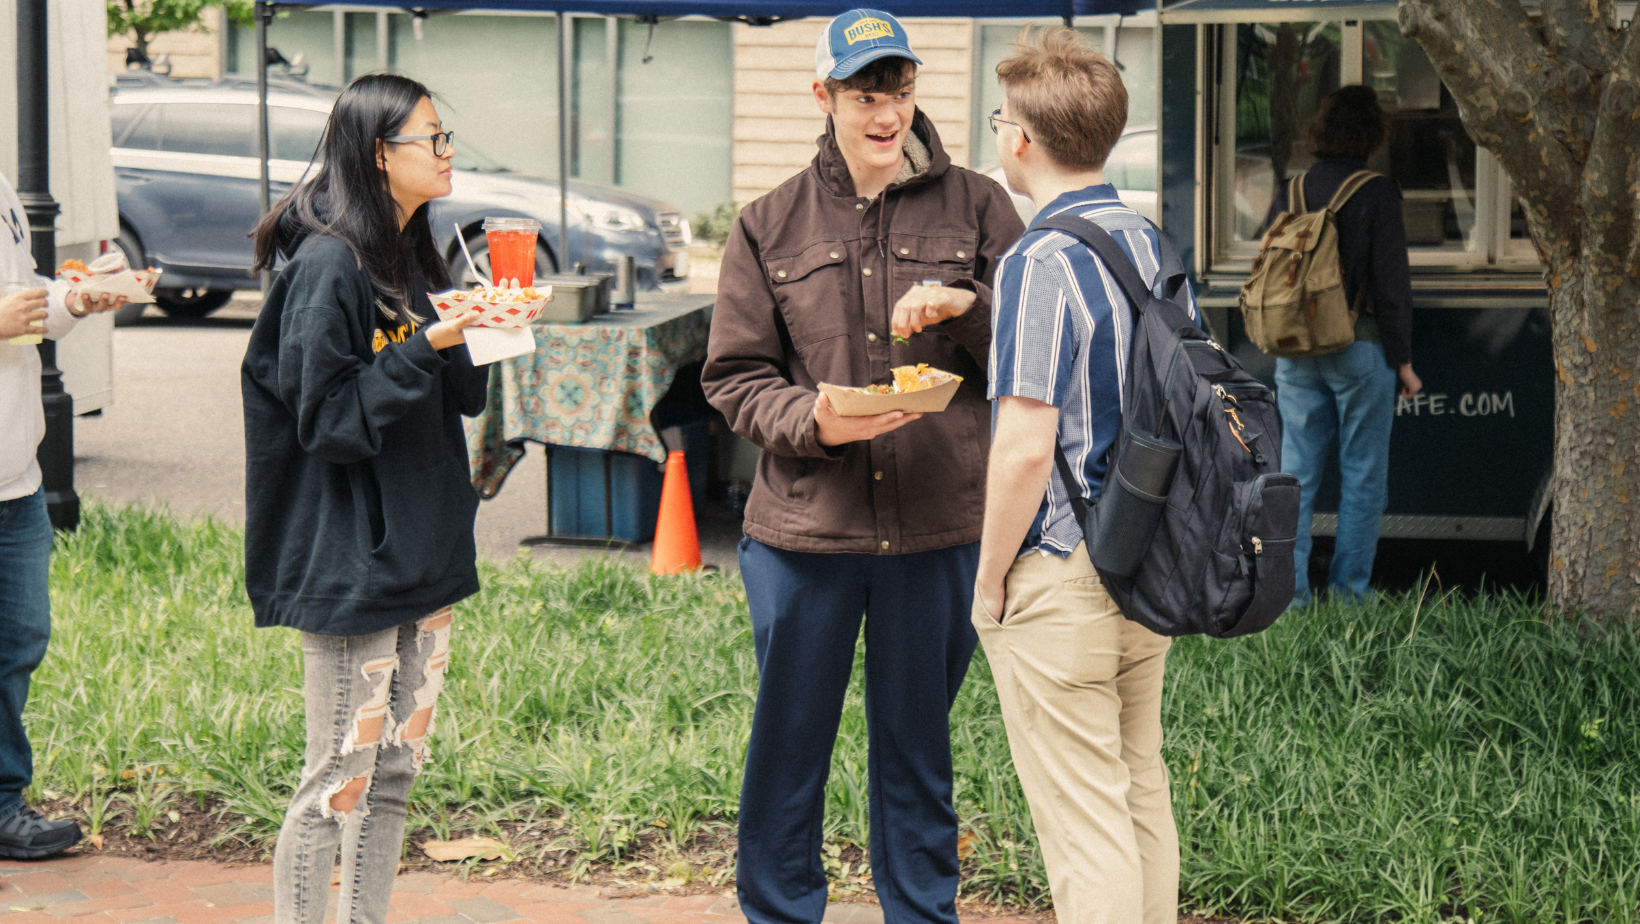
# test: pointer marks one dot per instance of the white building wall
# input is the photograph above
(777, 118)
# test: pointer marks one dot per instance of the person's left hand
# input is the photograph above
(84, 303)
(922, 306)
(1410, 383)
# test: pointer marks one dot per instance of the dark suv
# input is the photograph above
(187, 173)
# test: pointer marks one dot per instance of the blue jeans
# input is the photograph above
(1349, 398)
(25, 627)
(806, 609)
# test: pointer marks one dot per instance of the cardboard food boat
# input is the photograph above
(502, 308)
(506, 313)
(934, 391)
(108, 274)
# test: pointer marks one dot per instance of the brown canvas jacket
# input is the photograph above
(806, 293)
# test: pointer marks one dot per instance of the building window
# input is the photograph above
(1129, 41)
(1455, 202)
(660, 128)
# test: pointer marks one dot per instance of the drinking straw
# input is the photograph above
(468, 254)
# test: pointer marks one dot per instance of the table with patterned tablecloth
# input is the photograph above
(588, 385)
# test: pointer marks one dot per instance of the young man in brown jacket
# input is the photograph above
(850, 516)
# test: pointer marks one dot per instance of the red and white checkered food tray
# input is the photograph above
(111, 277)
(508, 308)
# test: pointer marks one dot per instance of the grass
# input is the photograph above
(1405, 761)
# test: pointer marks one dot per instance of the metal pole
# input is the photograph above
(565, 45)
(381, 40)
(612, 99)
(264, 15)
(56, 452)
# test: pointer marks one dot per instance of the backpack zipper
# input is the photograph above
(1234, 424)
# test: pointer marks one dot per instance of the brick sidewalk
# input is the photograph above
(91, 889)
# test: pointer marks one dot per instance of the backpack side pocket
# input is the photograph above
(1251, 567)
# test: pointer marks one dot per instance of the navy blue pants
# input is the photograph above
(806, 611)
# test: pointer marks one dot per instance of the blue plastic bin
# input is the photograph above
(596, 494)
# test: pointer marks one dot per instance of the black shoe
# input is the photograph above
(24, 835)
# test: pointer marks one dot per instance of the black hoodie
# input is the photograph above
(358, 504)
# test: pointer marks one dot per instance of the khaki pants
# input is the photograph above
(1081, 692)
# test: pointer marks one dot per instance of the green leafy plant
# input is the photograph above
(714, 226)
(141, 20)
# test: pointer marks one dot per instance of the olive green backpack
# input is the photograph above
(1294, 304)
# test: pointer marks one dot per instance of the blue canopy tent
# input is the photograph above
(754, 12)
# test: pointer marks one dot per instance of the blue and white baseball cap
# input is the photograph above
(856, 39)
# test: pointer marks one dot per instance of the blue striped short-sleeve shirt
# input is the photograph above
(1061, 329)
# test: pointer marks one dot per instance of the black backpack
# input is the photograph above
(1194, 527)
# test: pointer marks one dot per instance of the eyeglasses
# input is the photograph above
(996, 116)
(441, 141)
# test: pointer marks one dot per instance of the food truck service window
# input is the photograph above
(1275, 75)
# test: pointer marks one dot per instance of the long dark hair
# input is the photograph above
(349, 198)
(1350, 124)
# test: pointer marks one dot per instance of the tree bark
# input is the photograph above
(1557, 101)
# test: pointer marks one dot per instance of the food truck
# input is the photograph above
(1470, 456)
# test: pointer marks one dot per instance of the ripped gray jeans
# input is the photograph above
(370, 701)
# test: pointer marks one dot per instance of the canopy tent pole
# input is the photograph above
(565, 48)
(264, 13)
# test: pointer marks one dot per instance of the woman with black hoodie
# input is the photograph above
(359, 508)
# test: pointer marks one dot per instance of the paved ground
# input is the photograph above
(175, 437)
(93, 889)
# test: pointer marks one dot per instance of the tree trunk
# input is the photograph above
(1557, 100)
(1594, 563)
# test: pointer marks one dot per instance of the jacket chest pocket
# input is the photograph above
(919, 258)
(810, 287)
(812, 291)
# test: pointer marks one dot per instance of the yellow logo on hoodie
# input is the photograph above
(868, 29)
(397, 335)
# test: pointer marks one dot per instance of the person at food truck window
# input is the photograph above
(1079, 685)
(876, 516)
(25, 529)
(1345, 402)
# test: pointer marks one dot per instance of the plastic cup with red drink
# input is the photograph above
(512, 250)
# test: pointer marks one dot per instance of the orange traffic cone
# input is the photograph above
(677, 546)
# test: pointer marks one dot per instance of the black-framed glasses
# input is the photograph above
(441, 141)
(996, 116)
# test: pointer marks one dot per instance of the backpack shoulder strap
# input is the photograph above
(1079, 504)
(1295, 195)
(1171, 273)
(1352, 185)
(1101, 243)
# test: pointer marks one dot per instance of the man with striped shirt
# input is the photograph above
(1080, 686)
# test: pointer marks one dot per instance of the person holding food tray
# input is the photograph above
(30, 308)
(359, 510)
(875, 258)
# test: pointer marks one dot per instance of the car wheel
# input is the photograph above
(192, 303)
(132, 249)
(479, 246)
